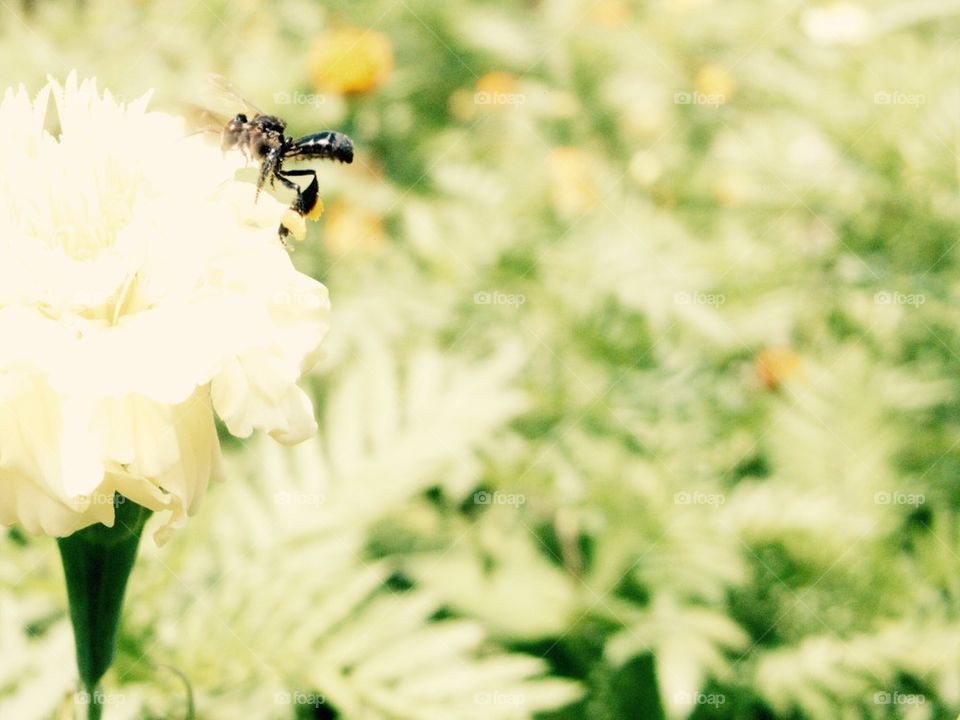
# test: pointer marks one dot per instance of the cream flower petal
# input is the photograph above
(141, 289)
(199, 445)
(24, 502)
(81, 466)
(139, 435)
(298, 415)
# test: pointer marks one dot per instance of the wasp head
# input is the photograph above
(233, 131)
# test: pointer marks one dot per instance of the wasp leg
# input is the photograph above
(269, 168)
(305, 202)
(264, 172)
(287, 182)
(284, 233)
(307, 198)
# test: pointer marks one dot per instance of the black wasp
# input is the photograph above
(262, 138)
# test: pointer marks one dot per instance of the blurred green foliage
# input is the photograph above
(643, 364)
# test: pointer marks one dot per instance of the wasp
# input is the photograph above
(262, 138)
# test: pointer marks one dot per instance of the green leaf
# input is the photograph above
(96, 564)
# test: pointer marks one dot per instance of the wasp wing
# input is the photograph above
(201, 119)
(222, 95)
(227, 91)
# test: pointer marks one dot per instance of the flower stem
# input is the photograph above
(94, 707)
(96, 564)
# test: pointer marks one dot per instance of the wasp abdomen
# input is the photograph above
(330, 145)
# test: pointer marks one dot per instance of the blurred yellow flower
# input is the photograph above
(610, 13)
(573, 188)
(715, 81)
(351, 60)
(774, 366)
(141, 290)
(493, 91)
(732, 189)
(495, 84)
(497, 81)
(350, 227)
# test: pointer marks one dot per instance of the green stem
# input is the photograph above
(96, 564)
(94, 708)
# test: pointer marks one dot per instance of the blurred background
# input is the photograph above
(640, 400)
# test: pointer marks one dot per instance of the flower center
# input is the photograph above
(86, 221)
(83, 242)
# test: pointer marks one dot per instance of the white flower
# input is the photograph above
(141, 290)
(840, 24)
